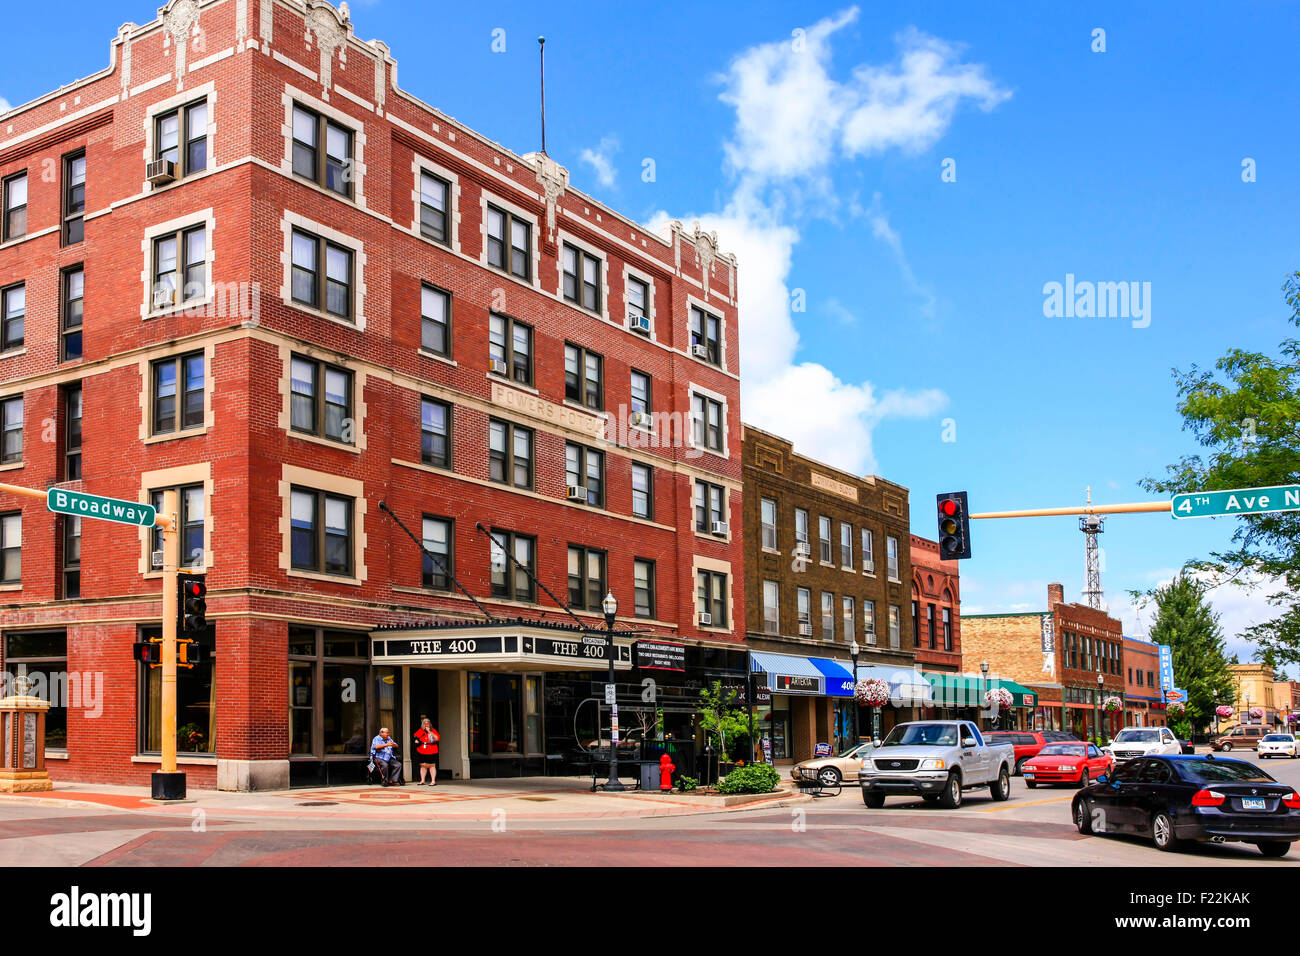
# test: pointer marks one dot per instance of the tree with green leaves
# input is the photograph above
(723, 717)
(1245, 412)
(1186, 622)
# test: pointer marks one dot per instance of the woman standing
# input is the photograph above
(426, 751)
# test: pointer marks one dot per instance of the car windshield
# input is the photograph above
(1138, 737)
(1222, 771)
(1279, 738)
(922, 735)
(1062, 750)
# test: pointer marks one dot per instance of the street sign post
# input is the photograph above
(78, 503)
(1237, 501)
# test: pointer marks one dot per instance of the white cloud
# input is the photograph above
(600, 160)
(794, 120)
(4, 105)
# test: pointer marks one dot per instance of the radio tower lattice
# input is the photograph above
(1091, 526)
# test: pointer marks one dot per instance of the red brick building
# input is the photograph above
(936, 608)
(242, 262)
(1144, 703)
(1058, 653)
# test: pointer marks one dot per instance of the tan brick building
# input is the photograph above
(829, 565)
(1059, 652)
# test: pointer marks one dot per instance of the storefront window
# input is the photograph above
(343, 707)
(302, 702)
(196, 701)
(478, 737)
(505, 714)
(43, 658)
(333, 709)
(532, 715)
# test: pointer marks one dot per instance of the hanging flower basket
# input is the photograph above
(998, 697)
(1175, 709)
(1292, 718)
(1112, 705)
(872, 692)
(1256, 713)
(1224, 711)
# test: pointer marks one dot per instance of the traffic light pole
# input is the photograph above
(168, 783)
(1133, 508)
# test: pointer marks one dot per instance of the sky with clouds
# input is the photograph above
(900, 185)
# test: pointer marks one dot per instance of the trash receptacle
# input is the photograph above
(649, 775)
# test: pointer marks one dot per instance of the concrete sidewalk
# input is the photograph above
(527, 798)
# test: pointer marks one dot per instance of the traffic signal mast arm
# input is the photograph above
(1132, 508)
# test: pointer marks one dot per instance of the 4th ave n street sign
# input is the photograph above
(83, 505)
(1239, 501)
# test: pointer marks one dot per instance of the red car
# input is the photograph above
(1027, 743)
(1076, 763)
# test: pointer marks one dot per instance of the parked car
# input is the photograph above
(1143, 742)
(1027, 743)
(1076, 763)
(829, 771)
(1174, 799)
(1244, 736)
(937, 759)
(1278, 745)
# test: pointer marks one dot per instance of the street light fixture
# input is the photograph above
(1100, 681)
(610, 607)
(984, 671)
(853, 653)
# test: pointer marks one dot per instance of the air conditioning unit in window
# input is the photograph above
(575, 493)
(639, 420)
(163, 298)
(497, 366)
(802, 550)
(638, 323)
(706, 619)
(805, 629)
(720, 528)
(700, 351)
(160, 172)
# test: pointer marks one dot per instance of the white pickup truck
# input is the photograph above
(937, 759)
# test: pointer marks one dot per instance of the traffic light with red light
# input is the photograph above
(148, 652)
(192, 606)
(954, 525)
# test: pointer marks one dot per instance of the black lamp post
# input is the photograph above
(853, 653)
(1100, 680)
(610, 607)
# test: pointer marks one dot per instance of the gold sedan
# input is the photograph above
(831, 771)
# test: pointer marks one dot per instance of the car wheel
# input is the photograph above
(1162, 832)
(1227, 748)
(1084, 780)
(1082, 817)
(1001, 789)
(950, 799)
(873, 799)
(1020, 766)
(828, 777)
(1274, 848)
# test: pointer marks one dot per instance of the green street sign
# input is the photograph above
(97, 506)
(1239, 501)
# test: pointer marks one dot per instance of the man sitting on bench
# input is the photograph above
(386, 761)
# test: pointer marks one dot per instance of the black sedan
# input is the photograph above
(1183, 798)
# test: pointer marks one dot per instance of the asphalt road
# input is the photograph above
(1033, 828)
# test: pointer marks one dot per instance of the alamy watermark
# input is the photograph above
(1103, 300)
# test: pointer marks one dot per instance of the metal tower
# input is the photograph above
(1091, 526)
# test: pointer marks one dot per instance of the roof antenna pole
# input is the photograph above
(541, 48)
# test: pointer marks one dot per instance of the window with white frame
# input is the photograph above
(824, 535)
(14, 225)
(801, 527)
(771, 608)
(828, 616)
(846, 545)
(869, 620)
(643, 498)
(891, 553)
(767, 509)
(11, 548)
(894, 625)
(803, 600)
(435, 203)
(435, 320)
(850, 631)
(868, 552)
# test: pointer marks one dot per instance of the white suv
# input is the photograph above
(1143, 742)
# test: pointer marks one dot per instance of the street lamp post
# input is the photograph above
(853, 653)
(984, 671)
(610, 607)
(1100, 681)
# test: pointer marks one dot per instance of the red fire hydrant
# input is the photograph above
(666, 768)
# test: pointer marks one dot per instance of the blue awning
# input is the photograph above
(787, 674)
(839, 682)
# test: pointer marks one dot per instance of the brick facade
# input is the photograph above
(1143, 699)
(790, 483)
(936, 588)
(250, 62)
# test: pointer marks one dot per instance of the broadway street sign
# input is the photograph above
(96, 506)
(1241, 501)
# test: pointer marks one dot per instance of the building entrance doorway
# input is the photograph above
(423, 703)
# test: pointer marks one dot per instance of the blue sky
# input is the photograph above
(817, 157)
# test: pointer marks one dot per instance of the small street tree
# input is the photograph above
(722, 716)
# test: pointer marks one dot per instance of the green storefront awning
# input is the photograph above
(963, 690)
